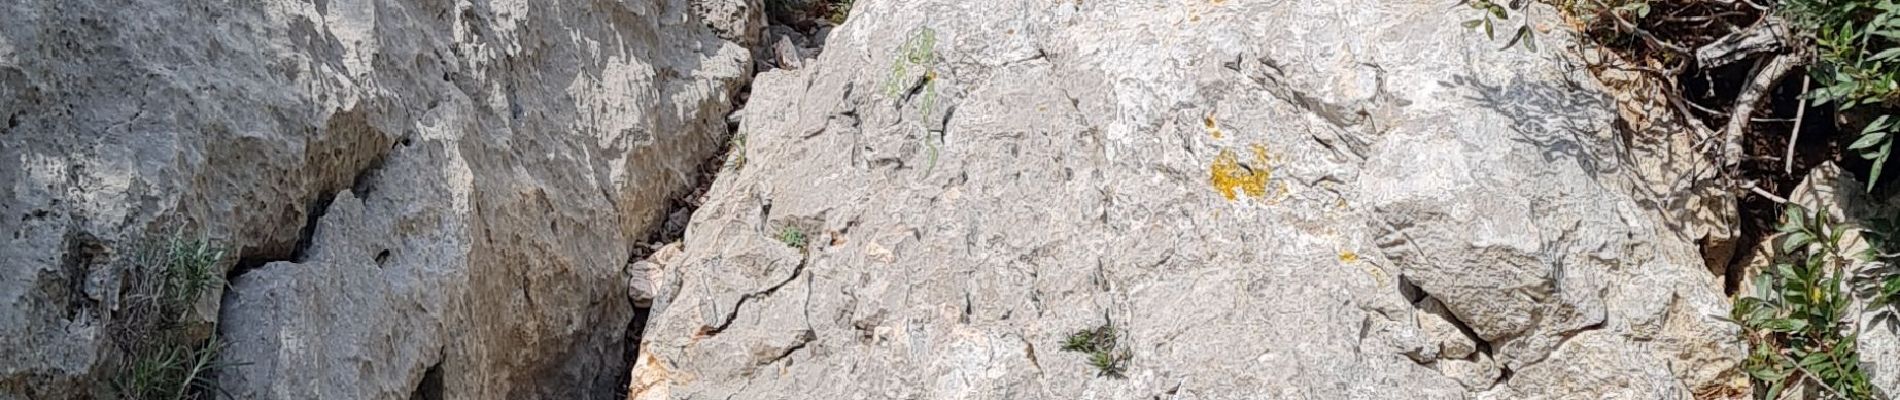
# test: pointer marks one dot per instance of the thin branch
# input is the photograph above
(1627, 26)
(1763, 193)
(1801, 111)
(1764, 79)
(1668, 78)
(1811, 377)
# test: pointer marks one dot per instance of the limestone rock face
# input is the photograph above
(1254, 193)
(427, 197)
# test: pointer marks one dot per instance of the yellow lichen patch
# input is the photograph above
(1378, 276)
(1213, 128)
(1348, 257)
(1230, 177)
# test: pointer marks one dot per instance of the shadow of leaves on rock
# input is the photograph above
(1559, 120)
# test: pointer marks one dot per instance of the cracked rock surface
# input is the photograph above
(1268, 199)
(429, 198)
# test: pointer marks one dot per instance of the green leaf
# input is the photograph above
(1488, 32)
(1887, 54)
(1788, 325)
(1873, 176)
(1793, 218)
(1795, 241)
(1516, 37)
(1472, 24)
(1879, 124)
(1868, 140)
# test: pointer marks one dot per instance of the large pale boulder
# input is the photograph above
(1255, 193)
(420, 197)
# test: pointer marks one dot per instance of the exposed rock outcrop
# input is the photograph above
(429, 197)
(1268, 199)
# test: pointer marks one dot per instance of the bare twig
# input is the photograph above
(1763, 193)
(1801, 111)
(1765, 77)
(1811, 377)
(1627, 26)
(1668, 78)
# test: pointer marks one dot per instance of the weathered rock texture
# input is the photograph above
(430, 197)
(1270, 199)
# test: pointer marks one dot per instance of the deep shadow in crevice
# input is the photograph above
(431, 386)
(250, 261)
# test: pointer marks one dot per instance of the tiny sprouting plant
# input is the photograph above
(1797, 322)
(1101, 345)
(792, 237)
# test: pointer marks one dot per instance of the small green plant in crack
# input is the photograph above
(190, 267)
(792, 237)
(173, 372)
(166, 359)
(735, 152)
(837, 11)
(1103, 347)
(1797, 323)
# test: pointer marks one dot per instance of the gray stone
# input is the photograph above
(644, 277)
(1452, 341)
(1244, 188)
(1477, 374)
(476, 173)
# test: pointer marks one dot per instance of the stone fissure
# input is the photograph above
(714, 330)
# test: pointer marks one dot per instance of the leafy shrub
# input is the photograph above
(1797, 321)
(1857, 44)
